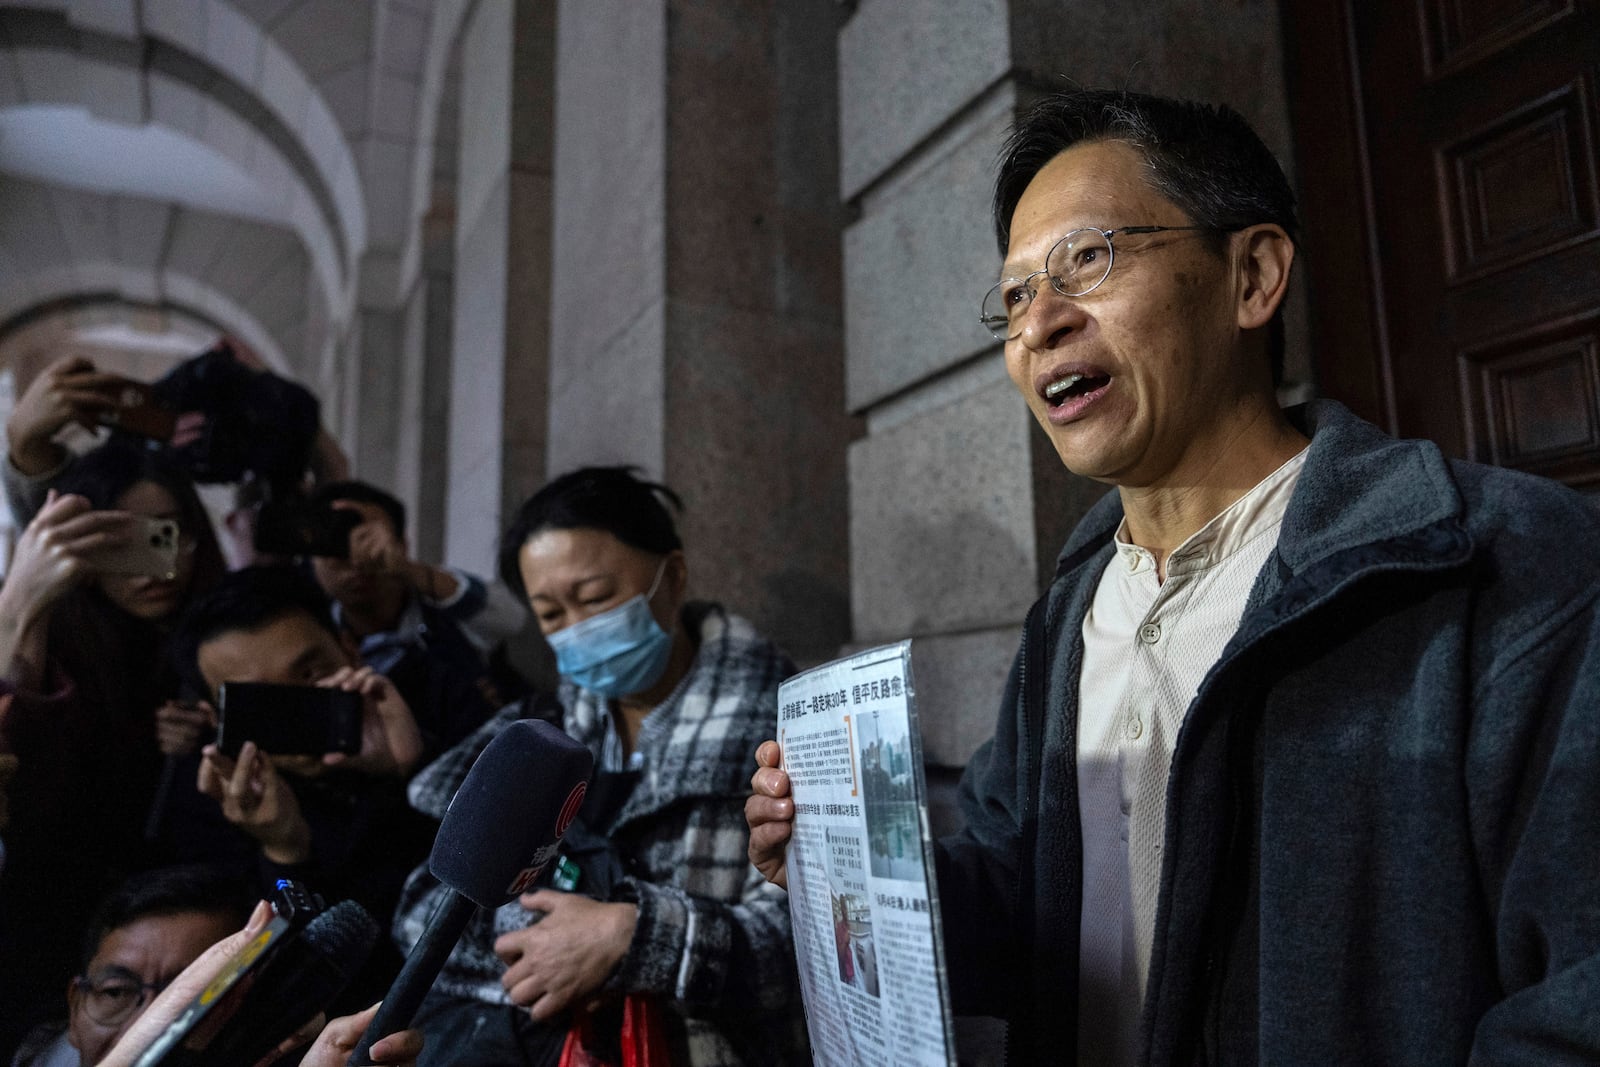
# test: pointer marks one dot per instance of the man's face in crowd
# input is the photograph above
(355, 587)
(292, 650)
(148, 952)
(1157, 342)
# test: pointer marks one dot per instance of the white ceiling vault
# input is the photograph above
(251, 163)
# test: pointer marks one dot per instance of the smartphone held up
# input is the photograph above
(151, 551)
(288, 720)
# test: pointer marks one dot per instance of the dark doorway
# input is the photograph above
(1448, 165)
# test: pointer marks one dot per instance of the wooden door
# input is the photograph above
(1447, 156)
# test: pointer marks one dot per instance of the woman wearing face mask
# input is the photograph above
(85, 650)
(656, 896)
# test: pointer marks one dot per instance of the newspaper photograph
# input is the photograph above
(861, 893)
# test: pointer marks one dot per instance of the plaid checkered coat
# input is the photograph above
(712, 939)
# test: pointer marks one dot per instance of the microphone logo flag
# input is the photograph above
(569, 810)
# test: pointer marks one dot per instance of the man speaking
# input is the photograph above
(1299, 758)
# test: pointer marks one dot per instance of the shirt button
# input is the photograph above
(1134, 728)
(1133, 561)
(1150, 633)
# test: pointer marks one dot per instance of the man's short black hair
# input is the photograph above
(247, 600)
(168, 891)
(1204, 158)
(614, 499)
(362, 493)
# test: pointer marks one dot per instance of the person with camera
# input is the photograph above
(86, 613)
(337, 822)
(426, 628)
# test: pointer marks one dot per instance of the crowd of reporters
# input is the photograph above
(126, 824)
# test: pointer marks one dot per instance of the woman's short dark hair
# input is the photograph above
(1204, 158)
(613, 499)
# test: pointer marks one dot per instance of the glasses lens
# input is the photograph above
(1004, 306)
(111, 1002)
(1079, 262)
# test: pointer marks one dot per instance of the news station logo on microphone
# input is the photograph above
(542, 858)
(569, 810)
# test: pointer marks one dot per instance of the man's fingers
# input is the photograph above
(241, 784)
(770, 782)
(768, 754)
(399, 1048)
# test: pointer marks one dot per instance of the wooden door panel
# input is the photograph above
(1473, 143)
(1523, 186)
(1533, 399)
(1460, 32)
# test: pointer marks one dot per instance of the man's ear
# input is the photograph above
(1265, 258)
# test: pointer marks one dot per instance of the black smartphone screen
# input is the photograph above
(292, 527)
(288, 720)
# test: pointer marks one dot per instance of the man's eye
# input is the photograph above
(117, 993)
(1013, 295)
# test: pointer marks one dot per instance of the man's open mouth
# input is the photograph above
(1064, 389)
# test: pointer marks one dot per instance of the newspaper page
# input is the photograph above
(861, 892)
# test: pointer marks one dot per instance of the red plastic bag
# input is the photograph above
(644, 1037)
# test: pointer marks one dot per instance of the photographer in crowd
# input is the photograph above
(427, 628)
(85, 646)
(338, 823)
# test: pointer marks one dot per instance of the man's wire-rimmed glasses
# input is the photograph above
(112, 998)
(1076, 265)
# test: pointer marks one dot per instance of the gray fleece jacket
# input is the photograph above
(1383, 816)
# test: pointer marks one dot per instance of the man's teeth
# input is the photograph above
(1056, 388)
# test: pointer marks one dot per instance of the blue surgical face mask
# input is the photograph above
(617, 652)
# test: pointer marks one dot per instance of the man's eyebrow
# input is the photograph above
(113, 970)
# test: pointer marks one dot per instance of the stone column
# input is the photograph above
(696, 326)
(500, 338)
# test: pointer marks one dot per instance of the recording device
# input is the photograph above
(501, 829)
(256, 421)
(137, 410)
(289, 972)
(287, 720)
(151, 553)
(291, 526)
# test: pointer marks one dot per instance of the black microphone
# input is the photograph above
(502, 827)
(275, 985)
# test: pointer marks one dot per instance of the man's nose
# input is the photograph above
(1050, 318)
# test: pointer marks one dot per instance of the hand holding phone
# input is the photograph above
(391, 742)
(134, 408)
(255, 798)
(68, 391)
(62, 544)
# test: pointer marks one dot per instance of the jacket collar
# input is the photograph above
(1362, 487)
(1359, 487)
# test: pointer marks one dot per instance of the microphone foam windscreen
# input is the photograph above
(344, 933)
(506, 821)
